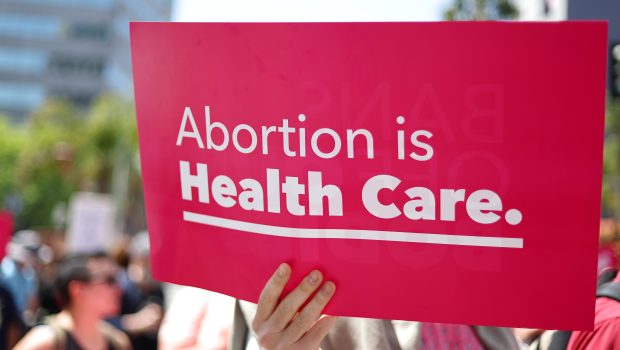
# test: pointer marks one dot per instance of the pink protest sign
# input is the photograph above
(443, 172)
(6, 230)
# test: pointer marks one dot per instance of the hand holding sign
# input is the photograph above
(283, 325)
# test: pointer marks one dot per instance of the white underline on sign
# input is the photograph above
(337, 233)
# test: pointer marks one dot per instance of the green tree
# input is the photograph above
(65, 150)
(44, 167)
(12, 140)
(611, 161)
(109, 143)
(108, 158)
(470, 10)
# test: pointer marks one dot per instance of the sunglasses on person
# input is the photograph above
(108, 279)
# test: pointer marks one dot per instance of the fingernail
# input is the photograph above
(313, 277)
(282, 270)
(328, 288)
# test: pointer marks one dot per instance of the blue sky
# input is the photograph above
(302, 11)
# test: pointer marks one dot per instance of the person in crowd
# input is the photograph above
(87, 289)
(18, 271)
(48, 305)
(295, 321)
(11, 325)
(142, 298)
(606, 333)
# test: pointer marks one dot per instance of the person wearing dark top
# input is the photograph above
(142, 300)
(87, 289)
(11, 325)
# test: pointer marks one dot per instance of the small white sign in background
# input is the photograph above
(91, 223)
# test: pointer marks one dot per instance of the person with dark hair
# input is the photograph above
(142, 297)
(11, 325)
(87, 289)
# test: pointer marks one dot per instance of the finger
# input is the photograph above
(289, 306)
(314, 337)
(270, 294)
(311, 312)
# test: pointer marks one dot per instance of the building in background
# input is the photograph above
(599, 9)
(606, 10)
(74, 49)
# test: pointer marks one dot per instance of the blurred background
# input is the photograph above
(69, 162)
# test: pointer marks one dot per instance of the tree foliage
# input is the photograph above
(611, 161)
(476, 10)
(12, 141)
(43, 169)
(60, 150)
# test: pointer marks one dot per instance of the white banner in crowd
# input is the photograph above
(91, 224)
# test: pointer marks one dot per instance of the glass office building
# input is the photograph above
(75, 49)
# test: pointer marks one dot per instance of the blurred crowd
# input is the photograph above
(71, 293)
(31, 292)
